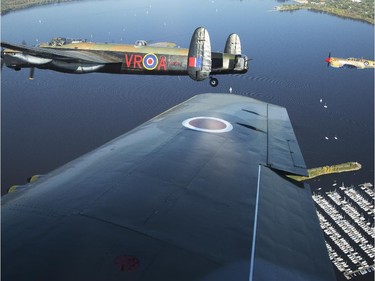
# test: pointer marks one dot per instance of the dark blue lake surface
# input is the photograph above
(58, 117)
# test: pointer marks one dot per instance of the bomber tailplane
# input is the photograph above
(233, 45)
(199, 58)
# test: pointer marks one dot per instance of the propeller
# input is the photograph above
(31, 76)
(2, 59)
(328, 60)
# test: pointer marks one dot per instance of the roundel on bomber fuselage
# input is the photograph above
(150, 61)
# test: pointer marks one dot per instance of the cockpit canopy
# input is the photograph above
(140, 43)
(60, 41)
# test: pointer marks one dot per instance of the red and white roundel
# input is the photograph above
(208, 124)
(150, 61)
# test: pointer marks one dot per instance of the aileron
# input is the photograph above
(283, 151)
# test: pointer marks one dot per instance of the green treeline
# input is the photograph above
(354, 9)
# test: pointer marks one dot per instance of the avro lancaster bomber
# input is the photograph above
(164, 58)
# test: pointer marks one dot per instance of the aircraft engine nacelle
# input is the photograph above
(18, 60)
(241, 63)
(199, 58)
(74, 67)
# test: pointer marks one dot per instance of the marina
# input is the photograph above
(346, 216)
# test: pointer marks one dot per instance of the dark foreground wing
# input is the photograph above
(174, 199)
(65, 55)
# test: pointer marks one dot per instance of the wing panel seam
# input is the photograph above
(252, 259)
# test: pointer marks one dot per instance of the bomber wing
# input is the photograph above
(197, 193)
(163, 44)
(85, 56)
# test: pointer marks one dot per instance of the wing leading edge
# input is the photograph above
(181, 197)
(65, 55)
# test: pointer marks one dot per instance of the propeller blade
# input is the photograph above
(328, 60)
(31, 76)
(2, 59)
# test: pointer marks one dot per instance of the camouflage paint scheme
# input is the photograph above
(164, 58)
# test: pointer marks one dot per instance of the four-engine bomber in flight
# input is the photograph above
(164, 58)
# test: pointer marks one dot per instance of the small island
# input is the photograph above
(362, 10)
(325, 170)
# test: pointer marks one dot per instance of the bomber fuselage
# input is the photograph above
(134, 60)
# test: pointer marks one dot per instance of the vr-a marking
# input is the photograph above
(149, 62)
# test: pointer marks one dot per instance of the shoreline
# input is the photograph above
(325, 9)
(8, 6)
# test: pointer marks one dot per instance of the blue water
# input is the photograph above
(58, 117)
